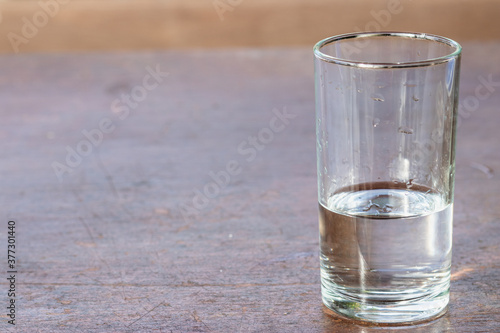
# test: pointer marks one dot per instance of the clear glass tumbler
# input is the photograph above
(386, 113)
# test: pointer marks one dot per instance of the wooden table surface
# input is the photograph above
(118, 235)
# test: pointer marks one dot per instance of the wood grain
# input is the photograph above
(110, 248)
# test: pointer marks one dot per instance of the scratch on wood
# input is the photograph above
(135, 321)
(244, 310)
(98, 217)
(196, 317)
(88, 229)
(198, 320)
(109, 178)
(82, 203)
(82, 220)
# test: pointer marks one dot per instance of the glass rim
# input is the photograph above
(403, 64)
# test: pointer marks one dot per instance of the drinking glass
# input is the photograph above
(386, 114)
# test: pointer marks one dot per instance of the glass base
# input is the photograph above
(404, 312)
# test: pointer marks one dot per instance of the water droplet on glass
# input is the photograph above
(405, 130)
(378, 99)
(359, 90)
(415, 99)
(376, 121)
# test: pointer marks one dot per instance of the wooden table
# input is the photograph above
(117, 244)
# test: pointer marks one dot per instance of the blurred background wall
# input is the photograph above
(103, 25)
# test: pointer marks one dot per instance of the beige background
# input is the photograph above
(89, 25)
